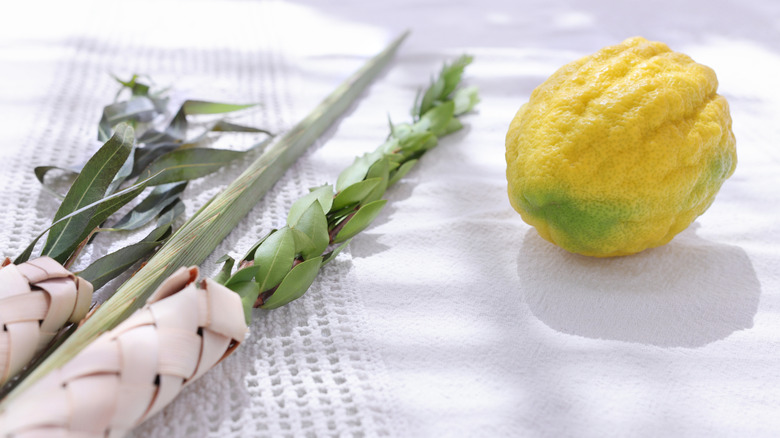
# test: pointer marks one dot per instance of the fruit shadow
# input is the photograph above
(688, 293)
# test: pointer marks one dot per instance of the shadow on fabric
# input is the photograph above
(688, 293)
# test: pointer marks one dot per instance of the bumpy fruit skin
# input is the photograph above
(621, 150)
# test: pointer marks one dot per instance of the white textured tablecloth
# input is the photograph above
(450, 316)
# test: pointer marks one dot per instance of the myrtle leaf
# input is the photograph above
(355, 193)
(242, 275)
(294, 284)
(90, 186)
(250, 255)
(357, 171)
(311, 232)
(227, 267)
(274, 258)
(381, 170)
(436, 120)
(465, 100)
(401, 172)
(360, 220)
(248, 291)
(323, 194)
(332, 255)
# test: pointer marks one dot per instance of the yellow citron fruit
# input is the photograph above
(621, 150)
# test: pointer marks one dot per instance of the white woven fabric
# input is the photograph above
(449, 317)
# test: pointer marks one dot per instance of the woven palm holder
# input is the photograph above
(37, 299)
(134, 370)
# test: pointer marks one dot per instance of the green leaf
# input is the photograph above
(295, 284)
(104, 129)
(431, 95)
(443, 86)
(323, 194)
(381, 170)
(453, 126)
(92, 212)
(242, 275)
(354, 194)
(248, 291)
(123, 173)
(402, 171)
(250, 255)
(193, 107)
(144, 156)
(274, 258)
(437, 118)
(89, 187)
(161, 197)
(171, 212)
(357, 171)
(224, 126)
(40, 174)
(451, 74)
(465, 100)
(108, 267)
(332, 255)
(187, 164)
(177, 129)
(140, 109)
(360, 220)
(311, 232)
(224, 273)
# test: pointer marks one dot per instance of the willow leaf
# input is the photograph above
(108, 267)
(161, 197)
(224, 126)
(186, 164)
(124, 172)
(193, 107)
(42, 171)
(140, 109)
(90, 186)
(86, 212)
(294, 284)
(144, 156)
(177, 129)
